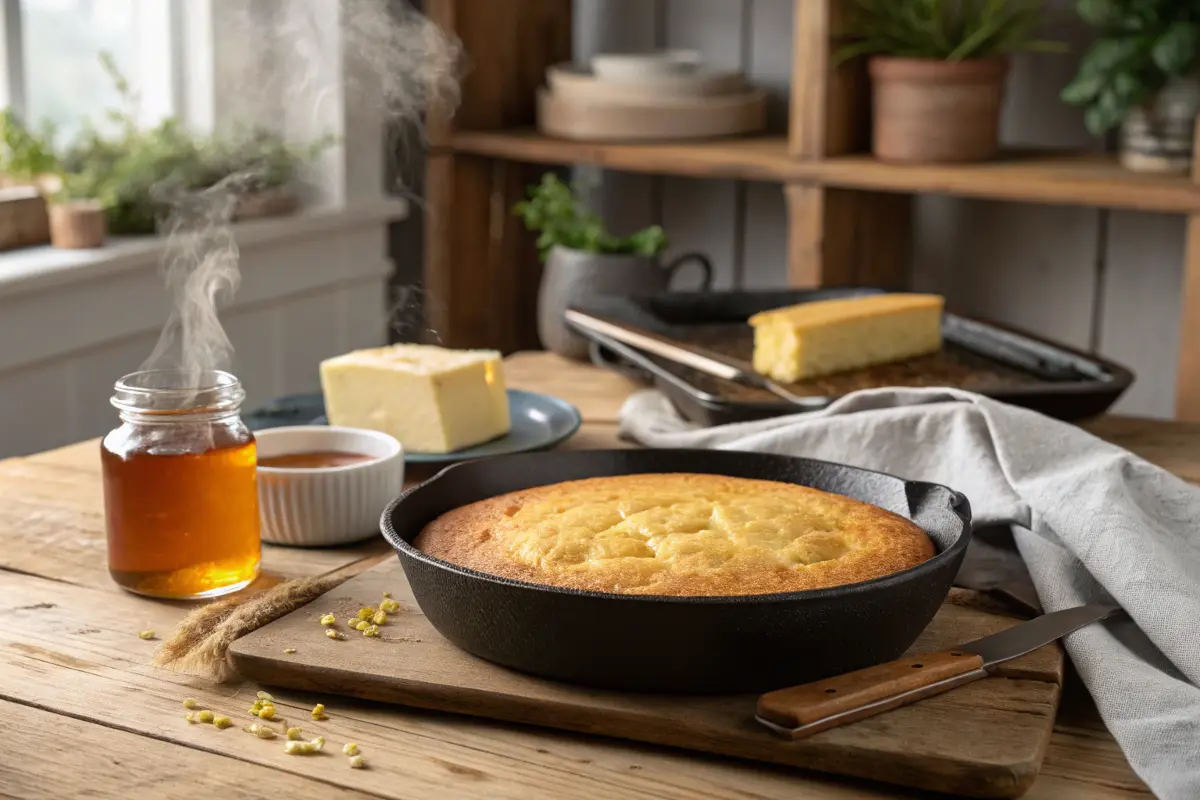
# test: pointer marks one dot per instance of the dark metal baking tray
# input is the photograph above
(980, 356)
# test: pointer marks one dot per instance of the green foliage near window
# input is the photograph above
(554, 210)
(1140, 45)
(136, 173)
(26, 154)
(943, 30)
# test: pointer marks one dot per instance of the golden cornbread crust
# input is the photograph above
(677, 534)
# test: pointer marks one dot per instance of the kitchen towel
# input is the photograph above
(1092, 522)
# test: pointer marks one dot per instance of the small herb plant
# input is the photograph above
(943, 30)
(26, 155)
(554, 210)
(1140, 45)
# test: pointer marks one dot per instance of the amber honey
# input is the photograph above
(180, 498)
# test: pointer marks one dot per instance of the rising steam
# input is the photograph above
(288, 59)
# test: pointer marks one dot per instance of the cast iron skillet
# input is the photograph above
(696, 645)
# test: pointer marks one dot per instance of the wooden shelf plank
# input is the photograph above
(1030, 177)
(759, 158)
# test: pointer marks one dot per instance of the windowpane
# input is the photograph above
(62, 41)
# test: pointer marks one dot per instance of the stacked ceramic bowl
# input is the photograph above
(666, 95)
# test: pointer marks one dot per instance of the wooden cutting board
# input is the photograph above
(986, 739)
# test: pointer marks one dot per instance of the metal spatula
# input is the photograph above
(673, 351)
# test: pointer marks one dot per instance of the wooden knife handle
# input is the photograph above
(801, 711)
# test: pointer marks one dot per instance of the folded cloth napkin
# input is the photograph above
(1093, 523)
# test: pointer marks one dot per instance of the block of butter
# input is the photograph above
(432, 399)
(828, 336)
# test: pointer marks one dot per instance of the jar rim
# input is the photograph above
(178, 391)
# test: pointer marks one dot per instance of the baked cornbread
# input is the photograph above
(828, 336)
(433, 400)
(677, 534)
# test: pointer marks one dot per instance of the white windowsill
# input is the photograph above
(39, 268)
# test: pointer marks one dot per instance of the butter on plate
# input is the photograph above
(828, 336)
(432, 399)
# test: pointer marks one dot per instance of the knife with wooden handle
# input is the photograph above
(801, 711)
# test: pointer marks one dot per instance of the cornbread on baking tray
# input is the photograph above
(677, 534)
(828, 336)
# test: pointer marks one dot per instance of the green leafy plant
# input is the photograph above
(944, 30)
(135, 173)
(553, 209)
(1140, 46)
(26, 155)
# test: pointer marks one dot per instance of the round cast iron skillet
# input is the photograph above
(695, 645)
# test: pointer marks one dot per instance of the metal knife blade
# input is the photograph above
(799, 711)
(1029, 636)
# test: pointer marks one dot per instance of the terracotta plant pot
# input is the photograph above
(78, 225)
(937, 112)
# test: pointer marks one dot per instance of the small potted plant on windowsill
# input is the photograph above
(1142, 75)
(938, 70)
(78, 216)
(582, 259)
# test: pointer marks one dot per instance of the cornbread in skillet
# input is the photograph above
(831, 336)
(677, 534)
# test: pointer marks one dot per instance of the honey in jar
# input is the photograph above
(180, 497)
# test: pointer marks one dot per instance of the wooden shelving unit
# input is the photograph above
(848, 214)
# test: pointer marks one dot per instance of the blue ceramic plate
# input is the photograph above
(538, 421)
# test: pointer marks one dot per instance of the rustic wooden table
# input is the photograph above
(84, 713)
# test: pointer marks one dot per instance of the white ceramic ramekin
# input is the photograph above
(326, 505)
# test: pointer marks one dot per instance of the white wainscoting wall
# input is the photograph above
(1106, 281)
(313, 286)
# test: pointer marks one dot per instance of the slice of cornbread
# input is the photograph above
(432, 399)
(828, 336)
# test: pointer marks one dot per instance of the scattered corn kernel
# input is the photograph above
(328, 619)
(360, 625)
(294, 734)
(190, 703)
(318, 711)
(318, 742)
(390, 606)
(353, 621)
(387, 594)
(204, 716)
(371, 630)
(222, 721)
(379, 618)
(145, 634)
(350, 749)
(356, 762)
(297, 748)
(332, 634)
(265, 697)
(190, 717)
(366, 612)
(289, 650)
(268, 712)
(264, 732)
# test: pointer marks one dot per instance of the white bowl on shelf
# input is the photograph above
(632, 67)
(574, 82)
(322, 506)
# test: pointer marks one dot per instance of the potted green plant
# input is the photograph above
(582, 259)
(27, 173)
(938, 70)
(78, 214)
(1142, 75)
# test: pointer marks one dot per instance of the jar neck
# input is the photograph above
(133, 417)
(178, 396)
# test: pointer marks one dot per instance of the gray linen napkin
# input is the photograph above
(1093, 523)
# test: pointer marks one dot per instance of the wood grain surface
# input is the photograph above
(71, 661)
(983, 740)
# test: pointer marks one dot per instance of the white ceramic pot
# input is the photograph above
(633, 67)
(320, 506)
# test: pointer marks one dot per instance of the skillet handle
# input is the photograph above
(801, 711)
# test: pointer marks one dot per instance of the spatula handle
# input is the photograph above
(801, 711)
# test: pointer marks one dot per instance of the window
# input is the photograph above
(53, 58)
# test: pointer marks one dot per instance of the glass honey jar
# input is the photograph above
(180, 494)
